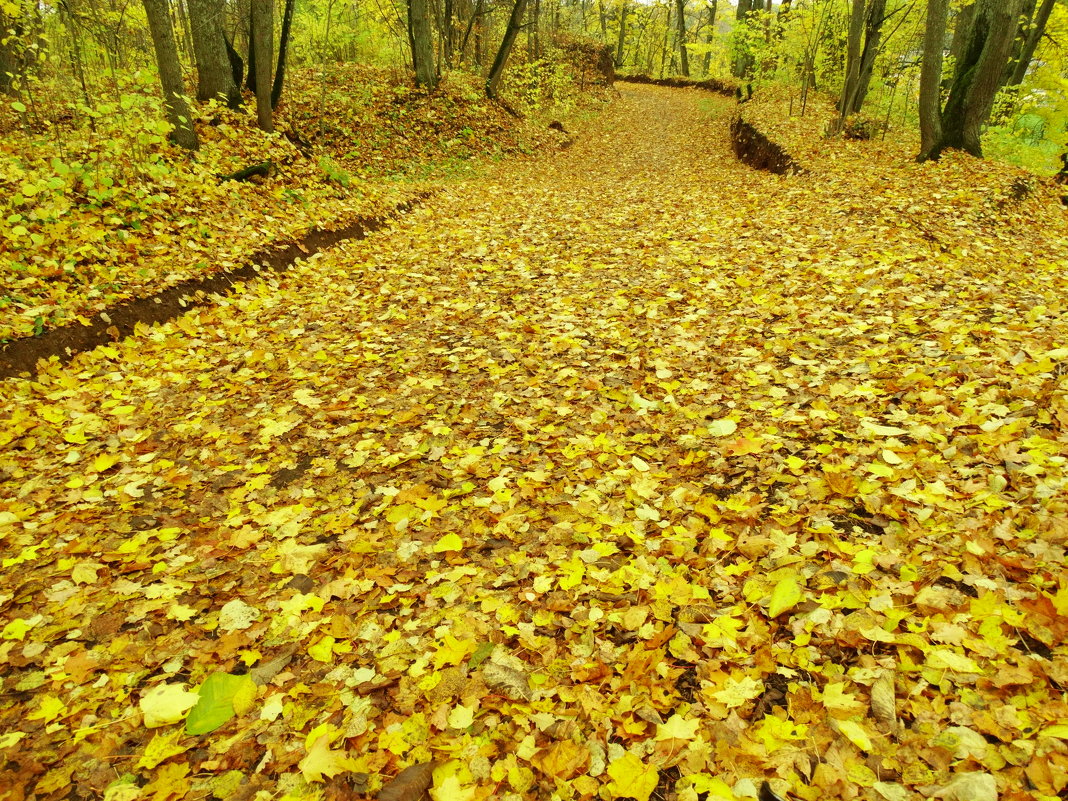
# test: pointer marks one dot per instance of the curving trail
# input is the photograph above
(742, 481)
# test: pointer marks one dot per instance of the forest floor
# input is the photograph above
(628, 472)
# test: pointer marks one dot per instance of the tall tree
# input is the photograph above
(743, 59)
(261, 50)
(984, 53)
(422, 43)
(931, 77)
(170, 74)
(865, 33)
(621, 39)
(19, 27)
(283, 51)
(511, 31)
(710, 36)
(1031, 35)
(684, 59)
(215, 77)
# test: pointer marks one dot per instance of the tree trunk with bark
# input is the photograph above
(684, 58)
(10, 67)
(865, 34)
(931, 77)
(170, 74)
(1032, 36)
(215, 77)
(743, 62)
(262, 14)
(422, 40)
(984, 53)
(710, 37)
(515, 22)
(622, 38)
(283, 51)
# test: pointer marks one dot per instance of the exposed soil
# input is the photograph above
(755, 149)
(21, 355)
(711, 84)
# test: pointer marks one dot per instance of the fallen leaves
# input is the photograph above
(499, 539)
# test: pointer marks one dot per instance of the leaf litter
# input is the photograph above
(626, 474)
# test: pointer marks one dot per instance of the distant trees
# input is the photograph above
(878, 57)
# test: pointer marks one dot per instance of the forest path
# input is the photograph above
(591, 410)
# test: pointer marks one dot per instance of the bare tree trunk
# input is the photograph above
(664, 42)
(422, 43)
(515, 22)
(865, 34)
(283, 51)
(12, 62)
(978, 74)
(604, 21)
(170, 73)
(873, 34)
(262, 13)
(931, 78)
(961, 26)
(742, 62)
(182, 12)
(984, 53)
(710, 37)
(1030, 44)
(470, 24)
(250, 78)
(622, 38)
(684, 58)
(215, 78)
(533, 41)
(447, 33)
(852, 71)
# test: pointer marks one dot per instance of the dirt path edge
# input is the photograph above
(754, 148)
(711, 84)
(751, 146)
(21, 356)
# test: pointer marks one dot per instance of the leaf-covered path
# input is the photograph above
(632, 473)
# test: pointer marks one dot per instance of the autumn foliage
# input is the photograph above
(629, 472)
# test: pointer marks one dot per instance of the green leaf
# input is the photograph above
(216, 704)
(480, 655)
(18, 106)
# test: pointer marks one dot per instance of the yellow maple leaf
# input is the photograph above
(453, 651)
(739, 693)
(48, 710)
(162, 747)
(677, 728)
(170, 782)
(631, 778)
(321, 762)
